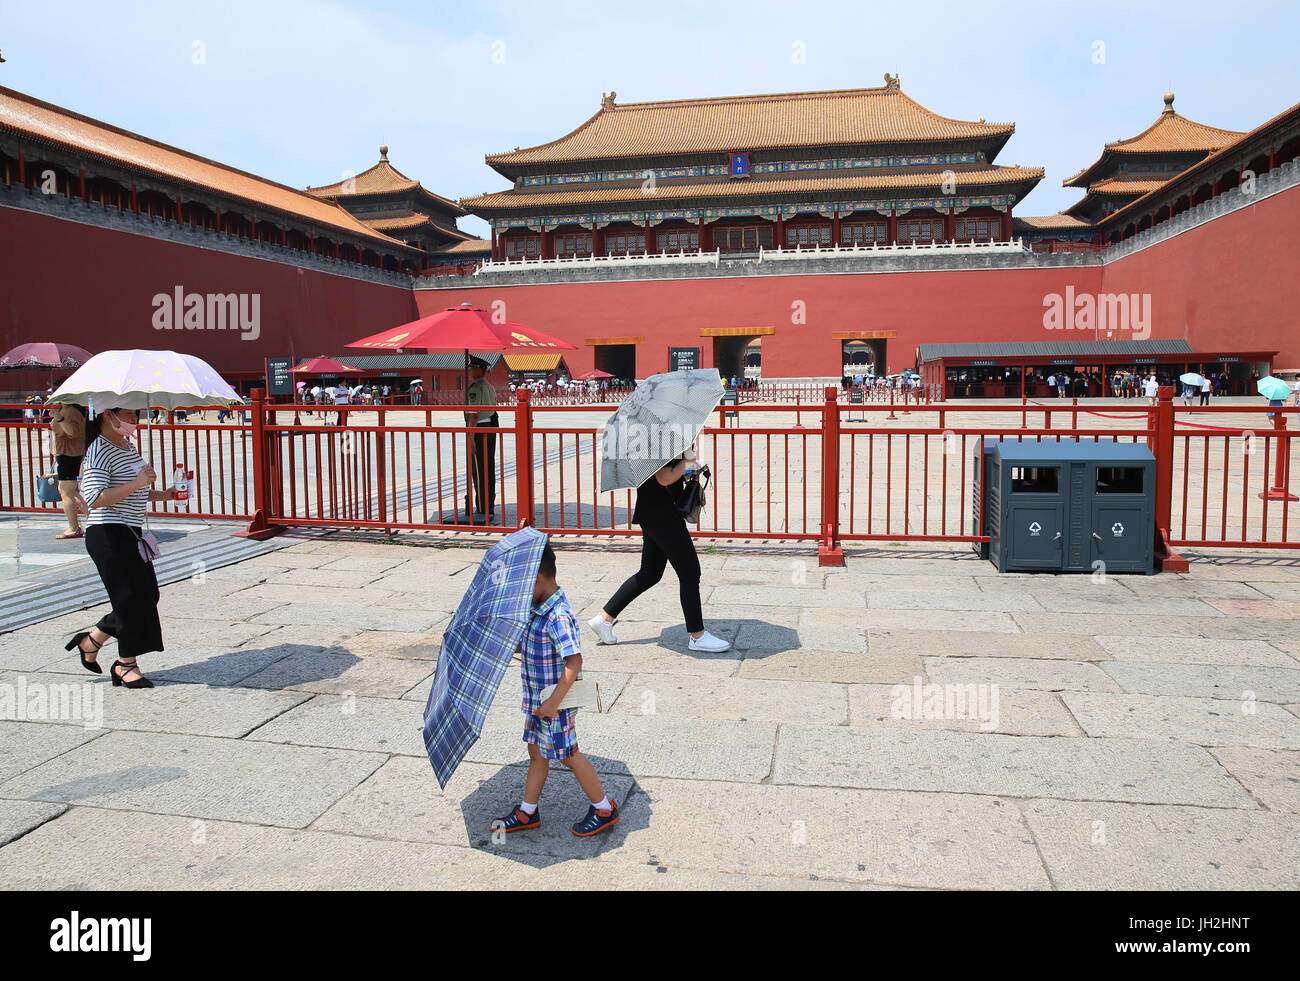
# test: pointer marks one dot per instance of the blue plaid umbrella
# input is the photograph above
(480, 641)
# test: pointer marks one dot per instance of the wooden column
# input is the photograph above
(649, 238)
(135, 201)
(493, 253)
(22, 169)
(780, 231)
(950, 225)
(218, 219)
(893, 226)
(595, 240)
(1272, 158)
(835, 229)
(81, 180)
(703, 233)
(180, 212)
(1006, 224)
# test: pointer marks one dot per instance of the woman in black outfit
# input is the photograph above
(116, 482)
(665, 540)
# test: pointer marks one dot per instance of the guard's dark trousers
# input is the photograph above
(483, 469)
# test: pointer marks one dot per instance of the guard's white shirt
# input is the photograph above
(481, 392)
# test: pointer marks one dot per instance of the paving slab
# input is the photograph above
(361, 618)
(374, 725)
(1195, 650)
(1271, 775)
(18, 817)
(1150, 771)
(941, 597)
(376, 559)
(1257, 608)
(830, 666)
(1202, 721)
(917, 840)
(1013, 711)
(742, 699)
(193, 709)
(981, 643)
(780, 595)
(1155, 625)
(24, 745)
(331, 578)
(642, 652)
(1208, 680)
(908, 620)
(184, 602)
(1045, 674)
(422, 646)
(196, 776)
(340, 674)
(25, 651)
(1096, 845)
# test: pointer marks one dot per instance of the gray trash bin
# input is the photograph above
(1067, 506)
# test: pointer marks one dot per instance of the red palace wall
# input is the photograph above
(1227, 285)
(1230, 284)
(922, 307)
(81, 284)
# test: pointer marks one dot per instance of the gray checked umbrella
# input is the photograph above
(656, 424)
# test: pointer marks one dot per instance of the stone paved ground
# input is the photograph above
(1145, 733)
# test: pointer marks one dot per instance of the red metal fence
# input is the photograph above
(826, 473)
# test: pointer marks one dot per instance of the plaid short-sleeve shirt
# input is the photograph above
(551, 636)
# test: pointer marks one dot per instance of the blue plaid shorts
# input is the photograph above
(557, 738)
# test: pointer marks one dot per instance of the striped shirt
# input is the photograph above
(105, 466)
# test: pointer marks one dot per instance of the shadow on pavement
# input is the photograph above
(562, 804)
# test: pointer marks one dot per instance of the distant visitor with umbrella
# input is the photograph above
(68, 428)
(664, 414)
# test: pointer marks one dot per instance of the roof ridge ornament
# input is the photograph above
(383, 151)
(607, 101)
(1169, 104)
(892, 83)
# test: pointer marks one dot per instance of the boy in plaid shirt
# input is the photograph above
(551, 656)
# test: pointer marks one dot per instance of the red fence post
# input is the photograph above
(1161, 442)
(1279, 491)
(829, 552)
(260, 527)
(523, 459)
(381, 463)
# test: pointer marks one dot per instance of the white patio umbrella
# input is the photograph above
(656, 424)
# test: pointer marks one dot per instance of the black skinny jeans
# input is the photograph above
(664, 542)
(132, 589)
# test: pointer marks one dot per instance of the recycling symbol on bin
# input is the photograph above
(1035, 528)
(1117, 529)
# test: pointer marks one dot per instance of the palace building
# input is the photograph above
(1125, 171)
(790, 235)
(386, 200)
(803, 170)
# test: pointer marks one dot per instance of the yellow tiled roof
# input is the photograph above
(765, 186)
(533, 362)
(1170, 133)
(69, 131)
(471, 246)
(847, 117)
(1057, 221)
(1128, 185)
(382, 178)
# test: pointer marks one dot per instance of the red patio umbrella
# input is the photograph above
(322, 366)
(594, 373)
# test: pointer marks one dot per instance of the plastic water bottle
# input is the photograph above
(181, 481)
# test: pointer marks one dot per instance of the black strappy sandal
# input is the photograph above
(140, 682)
(75, 642)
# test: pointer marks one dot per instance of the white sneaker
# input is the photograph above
(707, 642)
(603, 628)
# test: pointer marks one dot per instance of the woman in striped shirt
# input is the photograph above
(116, 482)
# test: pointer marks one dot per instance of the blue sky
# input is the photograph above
(303, 92)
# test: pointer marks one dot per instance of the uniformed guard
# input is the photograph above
(483, 474)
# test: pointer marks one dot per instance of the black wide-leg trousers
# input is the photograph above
(132, 589)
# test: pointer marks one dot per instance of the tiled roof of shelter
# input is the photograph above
(847, 117)
(62, 129)
(764, 186)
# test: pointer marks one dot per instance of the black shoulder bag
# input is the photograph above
(691, 500)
